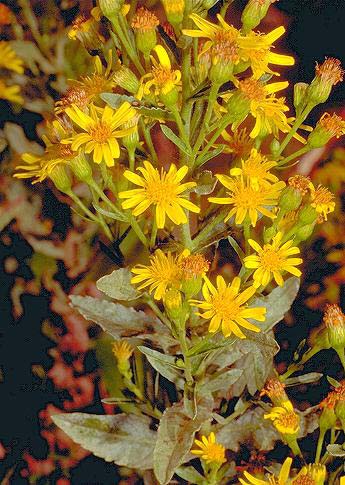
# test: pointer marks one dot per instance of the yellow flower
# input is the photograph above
(315, 471)
(225, 307)
(163, 78)
(210, 451)
(256, 168)
(254, 48)
(282, 478)
(162, 274)
(322, 200)
(101, 130)
(160, 189)
(10, 93)
(122, 350)
(268, 111)
(284, 419)
(247, 199)
(9, 59)
(272, 260)
(55, 154)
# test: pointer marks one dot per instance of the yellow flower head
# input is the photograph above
(225, 307)
(272, 260)
(315, 471)
(257, 169)
(162, 77)
(284, 419)
(81, 92)
(161, 189)
(9, 59)
(333, 124)
(247, 199)
(322, 200)
(10, 93)
(194, 266)
(282, 478)
(144, 20)
(163, 273)
(268, 111)
(255, 48)
(40, 167)
(238, 143)
(209, 450)
(100, 131)
(122, 350)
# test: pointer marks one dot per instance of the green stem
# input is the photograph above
(148, 140)
(186, 358)
(204, 233)
(211, 101)
(319, 445)
(137, 229)
(186, 235)
(224, 123)
(300, 152)
(246, 233)
(180, 126)
(340, 352)
(131, 156)
(153, 234)
(298, 366)
(157, 311)
(299, 120)
(129, 49)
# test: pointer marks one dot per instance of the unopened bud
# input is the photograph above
(254, 12)
(144, 24)
(238, 107)
(126, 79)
(303, 233)
(131, 141)
(290, 199)
(61, 178)
(174, 10)
(334, 320)
(81, 168)
(173, 303)
(307, 215)
(110, 8)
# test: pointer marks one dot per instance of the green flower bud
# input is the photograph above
(170, 98)
(127, 80)
(144, 24)
(173, 304)
(334, 320)
(254, 12)
(327, 75)
(304, 232)
(238, 107)
(290, 199)
(81, 168)
(307, 215)
(61, 178)
(110, 8)
(174, 10)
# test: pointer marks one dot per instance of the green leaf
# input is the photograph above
(222, 381)
(189, 474)
(124, 439)
(336, 450)
(333, 382)
(206, 183)
(236, 247)
(277, 303)
(165, 365)
(303, 379)
(117, 285)
(201, 160)
(122, 322)
(116, 215)
(155, 113)
(175, 438)
(115, 100)
(300, 99)
(175, 139)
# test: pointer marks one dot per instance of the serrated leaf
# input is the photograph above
(155, 113)
(222, 381)
(115, 100)
(175, 139)
(118, 285)
(122, 322)
(175, 438)
(277, 303)
(124, 439)
(165, 365)
(336, 450)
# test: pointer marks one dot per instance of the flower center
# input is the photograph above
(215, 452)
(225, 307)
(101, 132)
(330, 71)
(162, 75)
(225, 47)
(322, 196)
(253, 90)
(248, 197)
(160, 192)
(288, 422)
(271, 259)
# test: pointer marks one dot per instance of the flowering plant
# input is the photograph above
(193, 341)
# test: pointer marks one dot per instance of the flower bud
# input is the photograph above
(122, 351)
(144, 24)
(334, 320)
(307, 215)
(328, 127)
(81, 168)
(328, 419)
(174, 10)
(290, 199)
(328, 74)
(173, 304)
(193, 268)
(319, 338)
(126, 79)
(238, 107)
(131, 141)
(61, 178)
(170, 98)
(268, 234)
(303, 233)
(110, 8)
(254, 12)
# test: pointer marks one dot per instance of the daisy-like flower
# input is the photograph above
(162, 190)
(257, 169)
(272, 260)
(10, 93)
(100, 131)
(256, 49)
(284, 419)
(163, 273)
(268, 110)
(253, 49)
(9, 59)
(162, 78)
(322, 200)
(238, 143)
(282, 479)
(209, 450)
(225, 307)
(247, 200)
